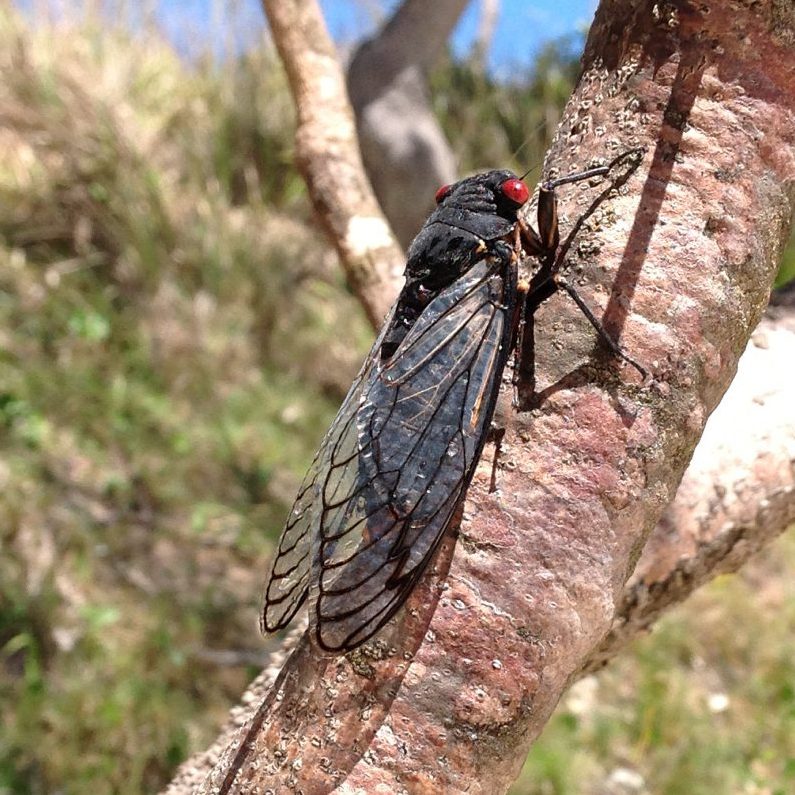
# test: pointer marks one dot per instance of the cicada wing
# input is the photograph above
(399, 466)
(288, 581)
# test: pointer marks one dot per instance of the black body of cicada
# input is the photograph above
(399, 456)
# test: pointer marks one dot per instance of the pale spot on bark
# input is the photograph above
(367, 233)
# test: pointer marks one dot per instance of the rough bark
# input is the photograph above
(327, 154)
(737, 495)
(404, 149)
(680, 264)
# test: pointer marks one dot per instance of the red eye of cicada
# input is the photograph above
(515, 190)
(442, 193)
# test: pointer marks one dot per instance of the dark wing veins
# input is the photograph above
(288, 582)
(417, 435)
(395, 464)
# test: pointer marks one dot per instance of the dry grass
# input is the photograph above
(174, 339)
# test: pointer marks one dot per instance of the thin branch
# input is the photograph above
(327, 154)
(403, 145)
(489, 14)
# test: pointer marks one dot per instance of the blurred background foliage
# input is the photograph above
(175, 337)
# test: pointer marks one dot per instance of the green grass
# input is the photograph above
(493, 124)
(174, 339)
(786, 271)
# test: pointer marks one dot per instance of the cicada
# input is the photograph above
(397, 461)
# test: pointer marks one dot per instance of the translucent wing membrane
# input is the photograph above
(289, 579)
(288, 582)
(395, 464)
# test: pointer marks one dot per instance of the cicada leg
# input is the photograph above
(546, 247)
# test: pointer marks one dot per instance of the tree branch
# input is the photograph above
(327, 154)
(452, 693)
(403, 146)
(737, 495)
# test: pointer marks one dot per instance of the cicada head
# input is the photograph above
(496, 193)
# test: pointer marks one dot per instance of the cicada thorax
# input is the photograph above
(472, 216)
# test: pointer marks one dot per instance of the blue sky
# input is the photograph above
(523, 26)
